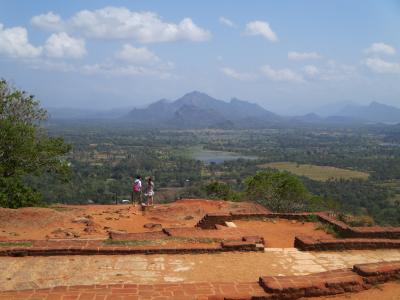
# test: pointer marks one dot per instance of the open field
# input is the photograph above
(320, 173)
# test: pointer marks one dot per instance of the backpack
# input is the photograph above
(136, 186)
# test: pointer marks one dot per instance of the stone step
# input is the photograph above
(326, 283)
(374, 273)
(307, 243)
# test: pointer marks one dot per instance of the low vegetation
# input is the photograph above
(133, 242)
(319, 173)
(162, 241)
(328, 228)
(15, 244)
(98, 165)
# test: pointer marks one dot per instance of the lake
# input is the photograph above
(211, 156)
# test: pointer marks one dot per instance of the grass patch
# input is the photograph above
(133, 242)
(312, 218)
(60, 208)
(314, 172)
(204, 240)
(328, 228)
(161, 241)
(15, 244)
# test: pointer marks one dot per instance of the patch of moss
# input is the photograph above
(15, 244)
(60, 208)
(132, 242)
(204, 240)
(312, 218)
(328, 228)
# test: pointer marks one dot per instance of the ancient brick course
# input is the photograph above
(307, 243)
(376, 232)
(123, 236)
(188, 291)
(378, 272)
(212, 221)
(326, 283)
(97, 247)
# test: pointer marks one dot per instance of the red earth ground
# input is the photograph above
(95, 221)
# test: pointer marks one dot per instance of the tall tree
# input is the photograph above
(25, 148)
(279, 191)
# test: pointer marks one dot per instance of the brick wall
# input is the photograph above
(307, 243)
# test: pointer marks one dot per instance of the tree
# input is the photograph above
(279, 191)
(219, 190)
(25, 148)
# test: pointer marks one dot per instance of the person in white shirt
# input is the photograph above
(150, 192)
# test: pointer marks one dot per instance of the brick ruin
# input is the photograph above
(359, 278)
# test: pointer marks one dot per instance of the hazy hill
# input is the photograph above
(332, 108)
(199, 110)
(66, 113)
(375, 112)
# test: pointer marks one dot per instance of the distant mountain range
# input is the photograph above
(65, 113)
(374, 112)
(199, 110)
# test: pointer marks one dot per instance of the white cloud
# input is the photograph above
(60, 45)
(162, 72)
(381, 66)
(238, 75)
(381, 48)
(14, 42)
(261, 28)
(281, 74)
(227, 22)
(132, 61)
(145, 27)
(135, 55)
(52, 65)
(293, 55)
(48, 21)
(330, 71)
(311, 70)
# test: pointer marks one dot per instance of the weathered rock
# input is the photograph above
(152, 226)
(82, 220)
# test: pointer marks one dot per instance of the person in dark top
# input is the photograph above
(137, 190)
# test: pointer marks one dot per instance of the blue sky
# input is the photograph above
(289, 56)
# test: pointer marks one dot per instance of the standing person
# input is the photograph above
(137, 190)
(150, 192)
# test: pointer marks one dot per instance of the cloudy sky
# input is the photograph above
(288, 56)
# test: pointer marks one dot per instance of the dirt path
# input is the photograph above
(42, 272)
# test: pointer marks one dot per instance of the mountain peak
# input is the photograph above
(198, 109)
(195, 94)
(234, 99)
(375, 112)
(378, 104)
